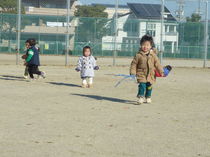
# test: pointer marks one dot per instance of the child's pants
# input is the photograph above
(90, 80)
(33, 69)
(26, 71)
(145, 90)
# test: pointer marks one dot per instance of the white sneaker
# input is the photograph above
(38, 76)
(25, 76)
(149, 100)
(140, 100)
(43, 74)
(32, 80)
(90, 85)
(84, 85)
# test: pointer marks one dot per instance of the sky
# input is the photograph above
(190, 7)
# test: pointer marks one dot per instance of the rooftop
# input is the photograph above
(46, 3)
(149, 11)
(111, 5)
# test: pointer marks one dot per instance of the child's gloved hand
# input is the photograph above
(25, 63)
(24, 56)
(77, 69)
(96, 68)
(167, 70)
(133, 77)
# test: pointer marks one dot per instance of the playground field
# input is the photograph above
(55, 117)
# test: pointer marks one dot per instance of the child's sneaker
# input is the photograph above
(32, 79)
(43, 74)
(25, 76)
(149, 100)
(140, 100)
(90, 85)
(38, 77)
(84, 85)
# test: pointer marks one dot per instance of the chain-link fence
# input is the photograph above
(47, 23)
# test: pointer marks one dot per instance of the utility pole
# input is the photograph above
(199, 7)
(180, 12)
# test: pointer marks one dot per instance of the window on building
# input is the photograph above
(132, 28)
(152, 33)
(151, 26)
(130, 44)
(151, 29)
(171, 28)
(166, 28)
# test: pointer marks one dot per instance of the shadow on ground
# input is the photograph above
(97, 97)
(11, 78)
(63, 84)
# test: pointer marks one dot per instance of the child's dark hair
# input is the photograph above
(86, 47)
(147, 38)
(32, 42)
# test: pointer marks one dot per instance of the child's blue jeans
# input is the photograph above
(145, 90)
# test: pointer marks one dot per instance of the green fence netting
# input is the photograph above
(182, 40)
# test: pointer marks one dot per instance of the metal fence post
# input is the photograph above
(206, 36)
(18, 31)
(67, 32)
(161, 31)
(115, 32)
(1, 24)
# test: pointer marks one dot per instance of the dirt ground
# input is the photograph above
(54, 117)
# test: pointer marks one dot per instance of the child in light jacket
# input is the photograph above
(86, 66)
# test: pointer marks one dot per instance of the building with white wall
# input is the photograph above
(140, 20)
(46, 23)
(110, 9)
